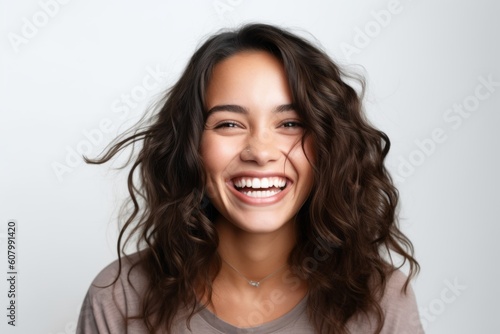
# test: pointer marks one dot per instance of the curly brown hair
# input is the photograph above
(351, 214)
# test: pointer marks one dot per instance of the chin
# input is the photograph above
(261, 224)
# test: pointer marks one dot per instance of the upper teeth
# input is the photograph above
(265, 182)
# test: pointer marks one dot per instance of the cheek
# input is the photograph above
(209, 150)
(206, 154)
(310, 150)
(304, 154)
(210, 169)
(305, 158)
(216, 158)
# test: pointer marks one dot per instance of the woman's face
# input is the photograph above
(258, 175)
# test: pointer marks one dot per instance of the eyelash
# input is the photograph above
(226, 125)
(291, 124)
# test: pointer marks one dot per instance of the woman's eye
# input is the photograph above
(291, 124)
(226, 125)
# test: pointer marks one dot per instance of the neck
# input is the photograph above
(253, 256)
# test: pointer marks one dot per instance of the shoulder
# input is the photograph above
(399, 306)
(123, 279)
(115, 293)
(398, 302)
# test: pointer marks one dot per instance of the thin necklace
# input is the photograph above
(252, 282)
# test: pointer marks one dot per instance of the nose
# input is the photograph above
(261, 148)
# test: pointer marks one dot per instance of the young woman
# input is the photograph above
(261, 204)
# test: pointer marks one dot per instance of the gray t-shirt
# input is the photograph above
(103, 309)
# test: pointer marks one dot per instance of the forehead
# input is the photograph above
(246, 58)
(248, 77)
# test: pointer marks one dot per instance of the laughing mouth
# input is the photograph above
(260, 187)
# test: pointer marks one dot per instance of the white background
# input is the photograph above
(67, 74)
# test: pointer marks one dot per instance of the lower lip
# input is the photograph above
(259, 200)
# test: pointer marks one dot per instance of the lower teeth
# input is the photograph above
(259, 193)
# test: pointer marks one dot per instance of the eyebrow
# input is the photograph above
(242, 110)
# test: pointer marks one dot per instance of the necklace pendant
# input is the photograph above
(254, 283)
